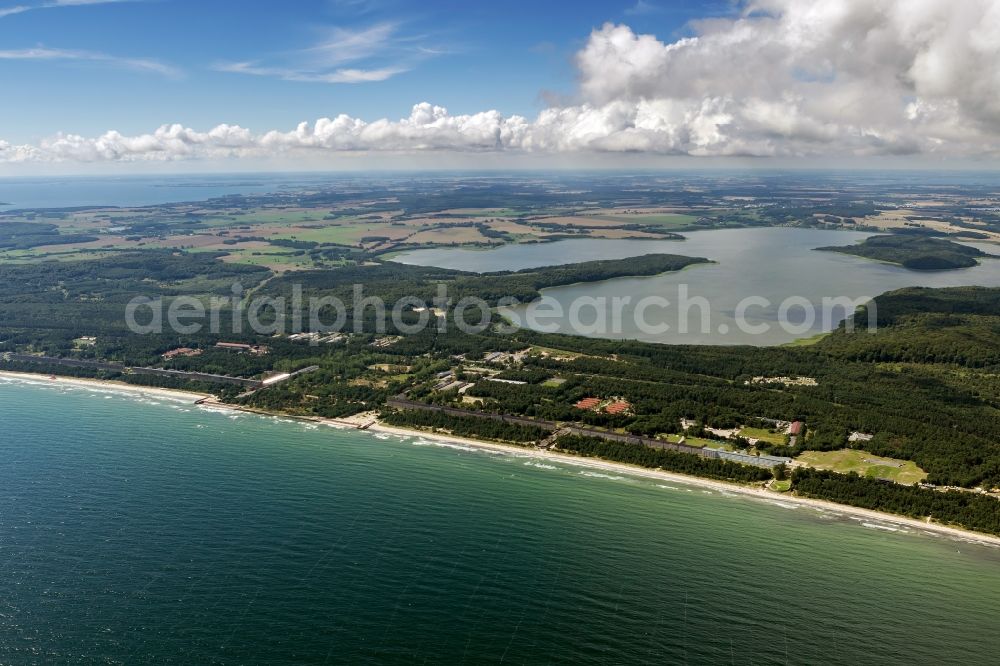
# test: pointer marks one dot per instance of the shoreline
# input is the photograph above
(87, 382)
(697, 481)
(361, 421)
(373, 425)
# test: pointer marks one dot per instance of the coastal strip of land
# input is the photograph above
(60, 380)
(368, 423)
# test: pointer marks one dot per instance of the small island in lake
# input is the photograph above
(918, 253)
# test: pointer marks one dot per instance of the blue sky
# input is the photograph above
(137, 84)
(461, 55)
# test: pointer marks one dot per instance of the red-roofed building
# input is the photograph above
(618, 407)
(795, 428)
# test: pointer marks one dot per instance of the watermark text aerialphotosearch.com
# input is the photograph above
(603, 316)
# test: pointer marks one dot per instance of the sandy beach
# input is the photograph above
(879, 520)
(176, 394)
(357, 421)
(883, 519)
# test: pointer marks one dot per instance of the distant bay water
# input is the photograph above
(774, 263)
(71, 191)
(147, 530)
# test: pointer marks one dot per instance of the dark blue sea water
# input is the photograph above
(146, 530)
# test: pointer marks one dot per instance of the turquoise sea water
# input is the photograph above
(146, 530)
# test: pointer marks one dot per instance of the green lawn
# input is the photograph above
(866, 464)
(763, 435)
(267, 256)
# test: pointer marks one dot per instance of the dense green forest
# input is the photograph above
(465, 426)
(391, 281)
(90, 295)
(604, 269)
(914, 251)
(671, 461)
(955, 327)
(969, 510)
(121, 276)
(25, 235)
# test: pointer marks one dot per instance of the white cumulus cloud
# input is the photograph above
(783, 78)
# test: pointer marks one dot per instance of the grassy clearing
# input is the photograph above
(552, 351)
(763, 435)
(448, 236)
(34, 255)
(660, 220)
(273, 258)
(865, 464)
(345, 234)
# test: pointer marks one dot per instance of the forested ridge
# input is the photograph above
(958, 326)
(90, 295)
(914, 251)
(392, 281)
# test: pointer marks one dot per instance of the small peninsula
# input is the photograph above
(919, 253)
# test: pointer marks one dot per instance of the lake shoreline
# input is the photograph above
(372, 425)
(745, 263)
